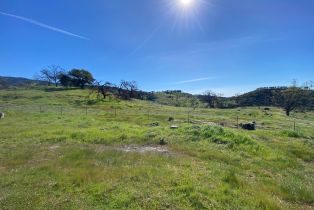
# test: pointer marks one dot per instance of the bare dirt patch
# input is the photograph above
(54, 147)
(144, 149)
(136, 149)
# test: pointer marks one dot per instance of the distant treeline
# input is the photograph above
(289, 98)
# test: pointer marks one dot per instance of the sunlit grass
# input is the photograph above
(68, 160)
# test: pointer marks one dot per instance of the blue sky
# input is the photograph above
(226, 46)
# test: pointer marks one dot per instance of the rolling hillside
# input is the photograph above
(58, 153)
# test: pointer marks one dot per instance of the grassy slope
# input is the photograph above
(54, 161)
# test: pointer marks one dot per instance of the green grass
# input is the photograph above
(69, 160)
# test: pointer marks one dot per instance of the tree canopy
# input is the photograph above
(81, 78)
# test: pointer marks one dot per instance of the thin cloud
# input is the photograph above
(34, 22)
(192, 80)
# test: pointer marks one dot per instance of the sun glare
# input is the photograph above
(186, 3)
(187, 13)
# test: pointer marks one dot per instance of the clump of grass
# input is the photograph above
(232, 179)
(301, 150)
(219, 135)
(294, 190)
(292, 134)
(78, 135)
(123, 137)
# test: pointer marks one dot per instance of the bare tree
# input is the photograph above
(122, 89)
(210, 98)
(103, 90)
(309, 85)
(55, 72)
(133, 88)
(127, 89)
(51, 74)
(45, 76)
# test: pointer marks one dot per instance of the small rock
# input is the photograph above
(248, 126)
(174, 127)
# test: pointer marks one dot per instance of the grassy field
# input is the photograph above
(60, 149)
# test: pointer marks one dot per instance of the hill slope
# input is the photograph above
(56, 153)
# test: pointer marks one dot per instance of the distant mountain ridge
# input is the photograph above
(7, 82)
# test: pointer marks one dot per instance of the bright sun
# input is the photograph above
(186, 3)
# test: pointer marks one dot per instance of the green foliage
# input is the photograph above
(80, 77)
(293, 97)
(65, 79)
